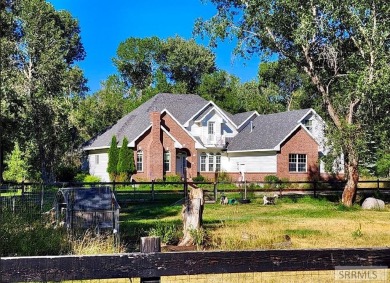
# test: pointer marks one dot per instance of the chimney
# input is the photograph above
(155, 150)
(156, 124)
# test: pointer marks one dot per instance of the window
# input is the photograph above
(297, 162)
(211, 162)
(218, 162)
(308, 124)
(211, 128)
(203, 162)
(97, 159)
(167, 161)
(140, 161)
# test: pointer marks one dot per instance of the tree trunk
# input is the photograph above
(350, 189)
(192, 216)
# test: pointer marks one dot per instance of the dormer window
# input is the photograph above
(308, 124)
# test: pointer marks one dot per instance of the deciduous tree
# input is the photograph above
(343, 47)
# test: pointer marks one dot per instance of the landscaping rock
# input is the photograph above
(373, 203)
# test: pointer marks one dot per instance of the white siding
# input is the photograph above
(261, 162)
(99, 170)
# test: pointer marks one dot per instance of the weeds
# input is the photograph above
(169, 233)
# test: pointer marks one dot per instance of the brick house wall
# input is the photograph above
(299, 142)
(186, 141)
(153, 143)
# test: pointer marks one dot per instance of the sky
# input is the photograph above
(105, 24)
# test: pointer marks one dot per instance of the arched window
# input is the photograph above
(167, 161)
(203, 162)
(140, 161)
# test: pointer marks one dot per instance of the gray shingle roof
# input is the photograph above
(181, 106)
(268, 131)
(239, 118)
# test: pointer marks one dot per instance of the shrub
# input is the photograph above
(91, 179)
(113, 156)
(271, 182)
(125, 166)
(66, 173)
(199, 178)
(223, 176)
(17, 167)
(168, 233)
(173, 178)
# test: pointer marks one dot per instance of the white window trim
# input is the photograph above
(167, 153)
(140, 153)
(296, 156)
(207, 157)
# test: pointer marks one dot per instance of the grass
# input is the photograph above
(309, 222)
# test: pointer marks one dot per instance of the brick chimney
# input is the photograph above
(155, 148)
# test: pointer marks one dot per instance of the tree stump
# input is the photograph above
(192, 216)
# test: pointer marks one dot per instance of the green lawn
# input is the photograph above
(310, 223)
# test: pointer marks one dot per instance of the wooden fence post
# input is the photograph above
(215, 192)
(150, 245)
(153, 189)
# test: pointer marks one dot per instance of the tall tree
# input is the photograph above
(290, 86)
(184, 61)
(341, 46)
(136, 60)
(47, 46)
(10, 102)
(125, 165)
(113, 157)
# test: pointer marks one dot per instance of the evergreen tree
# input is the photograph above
(125, 166)
(113, 156)
(17, 167)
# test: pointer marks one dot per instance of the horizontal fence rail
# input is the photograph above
(134, 265)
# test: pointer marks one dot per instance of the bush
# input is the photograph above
(66, 173)
(199, 178)
(173, 178)
(271, 182)
(91, 179)
(23, 236)
(168, 233)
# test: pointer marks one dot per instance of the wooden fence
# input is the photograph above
(134, 265)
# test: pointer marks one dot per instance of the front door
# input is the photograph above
(181, 163)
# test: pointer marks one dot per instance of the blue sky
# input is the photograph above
(105, 24)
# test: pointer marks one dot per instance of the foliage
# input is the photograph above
(90, 243)
(125, 166)
(199, 178)
(41, 74)
(91, 179)
(98, 111)
(342, 48)
(199, 236)
(173, 178)
(223, 176)
(17, 166)
(143, 62)
(136, 60)
(113, 157)
(169, 233)
(21, 236)
(383, 165)
(66, 173)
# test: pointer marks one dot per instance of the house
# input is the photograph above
(186, 135)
